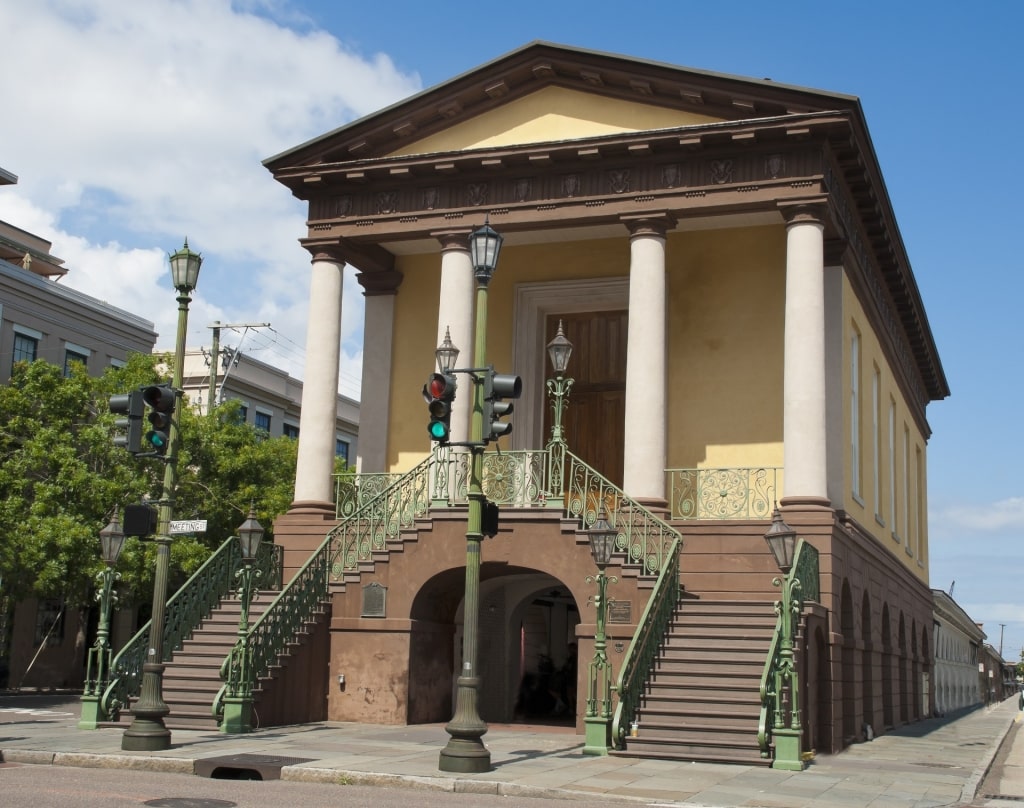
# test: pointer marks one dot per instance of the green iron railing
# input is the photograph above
(351, 491)
(643, 649)
(185, 610)
(373, 518)
(723, 493)
(379, 518)
(780, 681)
(277, 626)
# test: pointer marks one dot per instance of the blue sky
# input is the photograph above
(134, 125)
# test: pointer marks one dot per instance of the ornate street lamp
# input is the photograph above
(238, 699)
(788, 736)
(446, 353)
(465, 751)
(98, 666)
(559, 351)
(598, 716)
(147, 732)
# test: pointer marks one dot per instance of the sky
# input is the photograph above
(132, 126)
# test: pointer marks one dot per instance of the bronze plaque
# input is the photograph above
(374, 597)
(620, 611)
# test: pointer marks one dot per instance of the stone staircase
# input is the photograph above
(702, 702)
(192, 677)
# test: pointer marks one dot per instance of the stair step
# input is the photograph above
(703, 753)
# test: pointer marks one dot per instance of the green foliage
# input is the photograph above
(61, 479)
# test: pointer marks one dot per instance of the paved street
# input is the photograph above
(938, 762)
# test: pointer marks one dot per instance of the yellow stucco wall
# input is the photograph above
(727, 300)
(895, 509)
(726, 295)
(552, 114)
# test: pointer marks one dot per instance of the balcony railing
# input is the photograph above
(723, 493)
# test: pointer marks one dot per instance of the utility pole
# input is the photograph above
(215, 392)
(1001, 627)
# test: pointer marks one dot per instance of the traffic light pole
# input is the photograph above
(465, 751)
(147, 732)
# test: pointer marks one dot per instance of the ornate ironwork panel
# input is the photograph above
(723, 493)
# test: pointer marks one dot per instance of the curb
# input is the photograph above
(970, 789)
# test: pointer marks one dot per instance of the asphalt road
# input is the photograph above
(32, 786)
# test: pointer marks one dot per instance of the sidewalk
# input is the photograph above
(936, 762)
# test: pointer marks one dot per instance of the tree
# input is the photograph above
(61, 479)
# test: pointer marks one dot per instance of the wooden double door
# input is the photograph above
(594, 419)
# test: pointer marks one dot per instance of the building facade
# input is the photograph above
(42, 319)
(959, 651)
(747, 331)
(271, 399)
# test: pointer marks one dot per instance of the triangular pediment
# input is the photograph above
(550, 114)
(547, 91)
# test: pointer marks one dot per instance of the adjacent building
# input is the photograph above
(271, 400)
(42, 319)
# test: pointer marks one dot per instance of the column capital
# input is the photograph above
(812, 210)
(453, 239)
(380, 283)
(321, 253)
(648, 224)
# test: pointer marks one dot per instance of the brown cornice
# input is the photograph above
(542, 64)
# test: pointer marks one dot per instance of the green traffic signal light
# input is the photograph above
(162, 399)
(439, 393)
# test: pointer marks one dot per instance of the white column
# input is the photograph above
(804, 404)
(379, 289)
(455, 314)
(645, 432)
(314, 485)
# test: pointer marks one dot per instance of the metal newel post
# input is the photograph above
(559, 351)
(598, 720)
(147, 732)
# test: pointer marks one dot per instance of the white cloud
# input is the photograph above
(1002, 516)
(140, 124)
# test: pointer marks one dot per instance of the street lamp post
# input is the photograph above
(788, 735)
(238, 702)
(147, 732)
(98, 667)
(465, 751)
(559, 351)
(598, 715)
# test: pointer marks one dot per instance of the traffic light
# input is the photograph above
(139, 520)
(498, 386)
(130, 406)
(161, 398)
(439, 393)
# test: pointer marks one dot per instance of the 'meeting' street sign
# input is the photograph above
(188, 526)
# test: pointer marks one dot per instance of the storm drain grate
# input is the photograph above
(244, 767)
(1003, 797)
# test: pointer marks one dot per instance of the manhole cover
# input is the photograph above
(189, 802)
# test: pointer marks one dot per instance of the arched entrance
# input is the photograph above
(526, 659)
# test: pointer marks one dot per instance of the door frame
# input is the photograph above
(533, 303)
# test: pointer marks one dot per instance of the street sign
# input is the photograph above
(188, 526)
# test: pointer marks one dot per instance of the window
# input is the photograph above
(74, 354)
(920, 501)
(876, 440)
(855, 413)
(892, 466)
(291, 431)
(25, 347)
(243, 414)
(341, 449)
(262, 421)
(906, 487)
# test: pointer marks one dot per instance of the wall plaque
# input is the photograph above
(374, 597)
(620, 611)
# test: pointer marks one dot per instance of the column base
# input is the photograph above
(788, 750)
(597, 736)
(146, 735)
(90, 717)
(465, 756)
(237, 716)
